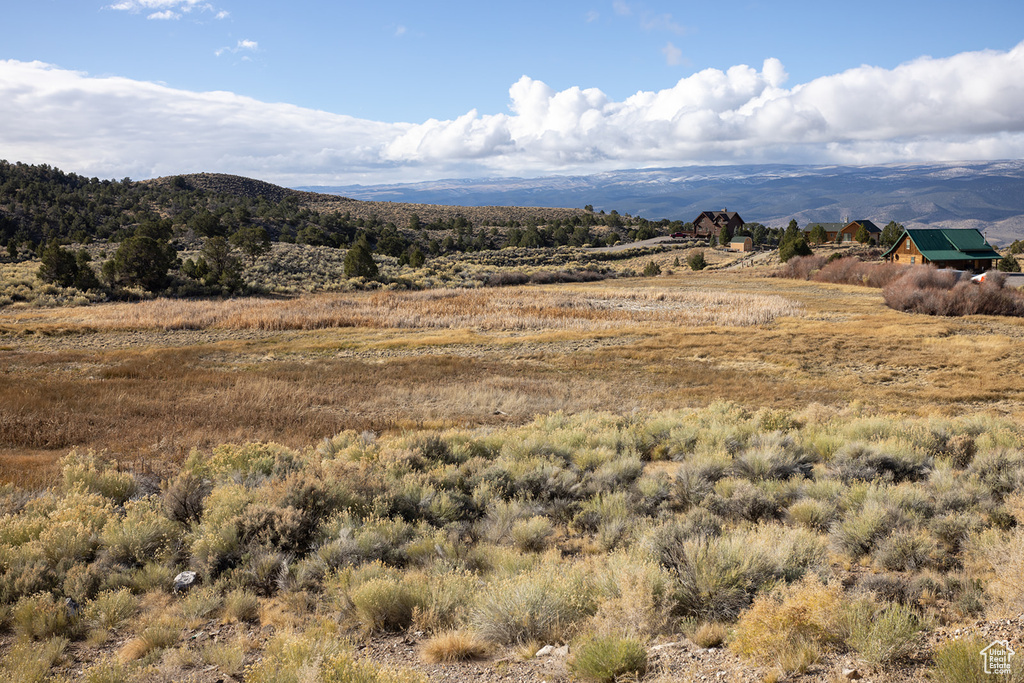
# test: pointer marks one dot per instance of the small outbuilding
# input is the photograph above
(741, 243)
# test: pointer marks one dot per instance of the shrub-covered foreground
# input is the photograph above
(793, 537)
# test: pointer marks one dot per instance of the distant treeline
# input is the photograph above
(44, 210)
(41, 204)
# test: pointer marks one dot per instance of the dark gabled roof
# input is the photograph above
(868, 225)
(948, 244)
(716, 216)
(740, 238)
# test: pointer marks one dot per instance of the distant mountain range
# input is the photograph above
(985, 195)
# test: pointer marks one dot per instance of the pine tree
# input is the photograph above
(359, 261)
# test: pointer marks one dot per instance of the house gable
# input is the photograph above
(964, 249)
(710, 223)
(849, 231)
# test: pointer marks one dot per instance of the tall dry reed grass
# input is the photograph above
(509, 309)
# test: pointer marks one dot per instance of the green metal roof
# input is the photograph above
(949, 244)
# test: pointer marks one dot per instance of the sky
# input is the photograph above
(334, 93)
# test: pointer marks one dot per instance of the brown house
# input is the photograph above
(831, 230)
(962, 249)
(844, 233)
(710, 223)
(849, 232)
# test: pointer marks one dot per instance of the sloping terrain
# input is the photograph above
(386, 211)
(984, 195)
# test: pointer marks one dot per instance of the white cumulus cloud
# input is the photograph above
(166, 9)
(968, 106)
(240, 46)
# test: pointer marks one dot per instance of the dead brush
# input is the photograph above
(454, 646)
(936, 292)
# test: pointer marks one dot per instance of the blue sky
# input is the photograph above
(321, 93)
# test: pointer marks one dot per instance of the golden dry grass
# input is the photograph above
(152, 380)
(454, 646)
(522, 308)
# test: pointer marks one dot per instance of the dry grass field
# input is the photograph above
(697, 476)
(149, 381)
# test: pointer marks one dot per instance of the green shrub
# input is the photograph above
(716, 578)
(319, 656)
(95, 474)
(227, 656)
(252, 458)
(796, 247)
(141, 534)
(813, 514)
(882, 634)
(111, 609)
(388, 604)
(532, 535)
(152, 576)
(696, 260)
(27, 662)
(961, 661)
(857, 533)
(740, 500)
(45, 616)
(107, 671)
(604, 658)
(241, 605)
(907, 550)
(449, 596)
(200, 603)
(544, 604)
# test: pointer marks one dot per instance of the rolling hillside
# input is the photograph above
(984, 195)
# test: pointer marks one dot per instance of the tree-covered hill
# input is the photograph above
(196, 233)
(41, 204)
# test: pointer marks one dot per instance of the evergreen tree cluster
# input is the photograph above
(792, 243)
(44, 212)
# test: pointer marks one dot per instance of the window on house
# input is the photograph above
(908, 245)
(912, 259)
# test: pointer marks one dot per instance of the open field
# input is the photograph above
(150, 381)
(403, 486)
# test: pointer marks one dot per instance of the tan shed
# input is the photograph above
(741, 243)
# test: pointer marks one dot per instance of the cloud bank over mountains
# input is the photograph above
(968, 106)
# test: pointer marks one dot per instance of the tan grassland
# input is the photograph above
(149, 381)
